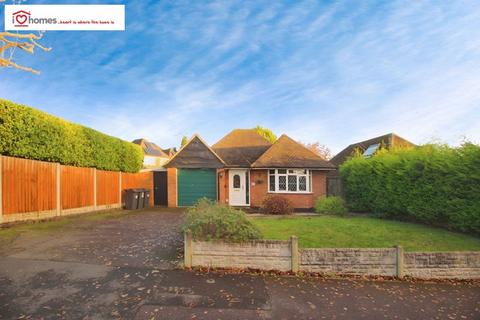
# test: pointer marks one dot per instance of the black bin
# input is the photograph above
(141, 198)
(146, 198)
(132, 199)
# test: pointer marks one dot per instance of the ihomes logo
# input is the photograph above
(20, 18)
(24, 18)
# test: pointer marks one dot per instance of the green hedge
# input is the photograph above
(432, 184)
(29, 133)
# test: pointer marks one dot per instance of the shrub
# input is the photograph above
(276, 205)
(33, 134)
(432, 184)
(208, 220)
(331, 205)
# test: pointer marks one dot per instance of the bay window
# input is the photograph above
(289, 180)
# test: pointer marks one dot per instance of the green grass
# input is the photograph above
(363, 232)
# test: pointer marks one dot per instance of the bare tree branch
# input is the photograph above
(26, 42)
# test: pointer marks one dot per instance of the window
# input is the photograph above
(289, 180)
(236, 181)
(371, 150)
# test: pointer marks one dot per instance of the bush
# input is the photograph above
(276, 205)
(331, 205)
(208, 220)
(33, 134)
(432, 184)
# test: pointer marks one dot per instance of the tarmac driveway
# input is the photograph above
(122, 266)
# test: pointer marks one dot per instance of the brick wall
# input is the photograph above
(442, 264)
(263, 254)
(172, 187)
(260, 190)
(350, 261)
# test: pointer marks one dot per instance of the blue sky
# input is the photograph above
(332, 72)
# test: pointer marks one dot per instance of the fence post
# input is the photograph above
(58, 189)
(1, 189)
(94, 188)
(399, 253)
(120, 188)
(188, 249)
(295, 256)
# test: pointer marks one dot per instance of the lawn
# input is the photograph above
(363, 232)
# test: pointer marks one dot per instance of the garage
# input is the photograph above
(194, 184)
(192, 174)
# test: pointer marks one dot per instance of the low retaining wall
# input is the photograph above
(285, 256)
(443, 264)
(382, 262)
(261, 254)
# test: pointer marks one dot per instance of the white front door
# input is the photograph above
(238, 187)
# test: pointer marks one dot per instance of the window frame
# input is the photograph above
(287, 173)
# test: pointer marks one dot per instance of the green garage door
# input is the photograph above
(194, 184)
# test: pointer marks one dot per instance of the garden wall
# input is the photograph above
(33, 190)
(285, 256)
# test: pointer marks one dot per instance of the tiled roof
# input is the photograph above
(288, 153)
(241, 147)
(150, 148)
(388, 140)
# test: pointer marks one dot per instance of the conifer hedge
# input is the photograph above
(433, 184)
(29, 133)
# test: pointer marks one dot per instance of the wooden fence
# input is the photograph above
(31, 189)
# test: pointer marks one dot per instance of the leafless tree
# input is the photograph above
(26, 42)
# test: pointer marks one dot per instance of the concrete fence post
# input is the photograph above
(94, 188)
(58, 188)
(1, 189)
(399, 254)
(295, 253)
(188, 249)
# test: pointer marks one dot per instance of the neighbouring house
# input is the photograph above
(242, 168)
(368, 147)
(154, 156)
(154, 160)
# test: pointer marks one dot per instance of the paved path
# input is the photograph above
(123, 268)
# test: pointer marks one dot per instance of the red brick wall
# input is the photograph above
(303, 201)
(172, 186)
(222, 185)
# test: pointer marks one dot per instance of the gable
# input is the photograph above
(195, 154)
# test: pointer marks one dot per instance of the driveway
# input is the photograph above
(123, 266)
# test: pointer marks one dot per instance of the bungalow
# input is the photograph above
(243, 168)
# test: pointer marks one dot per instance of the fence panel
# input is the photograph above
(138, 180)
(108, 186)
(28, 185)
(335, 187)
(77, 187)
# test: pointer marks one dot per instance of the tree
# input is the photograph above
(184, 141)
(10, 41)
(319, 149)
(266, 133)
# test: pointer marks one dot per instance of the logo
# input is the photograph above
(20, 18)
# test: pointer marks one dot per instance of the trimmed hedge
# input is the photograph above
(432, 184)
(29, 133)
